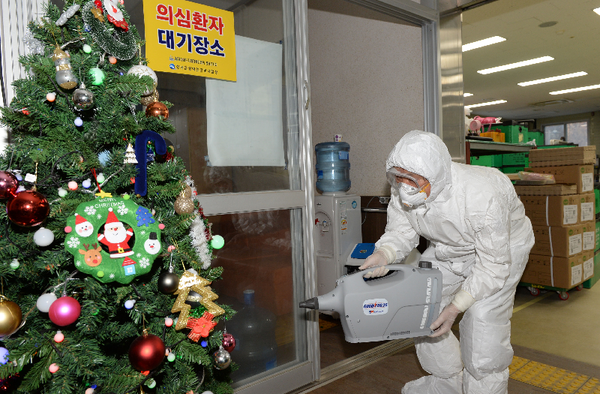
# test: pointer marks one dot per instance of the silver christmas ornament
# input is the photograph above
(83, 98)
(222, 358)
(140, 70)
(67, 14)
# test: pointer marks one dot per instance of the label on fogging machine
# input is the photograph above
(376, 306)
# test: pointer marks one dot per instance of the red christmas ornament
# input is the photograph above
(228, 342)
(146, 352)
(8, 185)
(28, 209)
(201, 327)
(64, 311)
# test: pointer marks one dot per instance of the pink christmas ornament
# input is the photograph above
(64, 311)
(72, 185)
(53, 368)
(68, 229)
(168, 322)
(161, 226)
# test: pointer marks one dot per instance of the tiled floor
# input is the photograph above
(551, 337)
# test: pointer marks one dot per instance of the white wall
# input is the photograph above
(366, 83)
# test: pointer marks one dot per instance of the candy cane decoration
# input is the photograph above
(141, 141)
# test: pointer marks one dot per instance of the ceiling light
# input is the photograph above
(590, 87)
(551, 79)
(467, 94)
(482, 43)
(484, 104)
(516, 65)
(597, 10)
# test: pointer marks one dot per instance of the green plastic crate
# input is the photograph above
(514, 134)
(515, 159)
(511, 169)
(597, 235)
(487, 161)
(536, 136)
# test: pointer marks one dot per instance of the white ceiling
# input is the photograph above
(573, 42)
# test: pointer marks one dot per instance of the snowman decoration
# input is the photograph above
(152, 244)
(116, 237)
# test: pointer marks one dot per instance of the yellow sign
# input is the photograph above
(188, 38)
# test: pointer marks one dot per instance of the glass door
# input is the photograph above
(246, 147)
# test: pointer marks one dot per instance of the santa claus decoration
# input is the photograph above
(83, 227)
(114, 239)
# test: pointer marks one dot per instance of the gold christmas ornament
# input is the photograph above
(157, 109)
(187, 192)
(184, 203)
(192, 281)
(147, 100)
(10, 317)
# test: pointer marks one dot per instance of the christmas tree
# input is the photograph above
(102, 238)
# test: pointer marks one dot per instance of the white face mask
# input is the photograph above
(411, 196)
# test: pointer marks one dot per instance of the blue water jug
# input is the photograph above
(254, 331)
(333, 167)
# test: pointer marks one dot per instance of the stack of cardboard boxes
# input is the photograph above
(563, 217)
(596, 277)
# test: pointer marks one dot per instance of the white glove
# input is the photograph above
(377, 259)
(445, 320)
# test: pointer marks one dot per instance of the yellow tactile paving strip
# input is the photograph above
(551, 378)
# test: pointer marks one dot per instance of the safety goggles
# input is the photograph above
(397, 178)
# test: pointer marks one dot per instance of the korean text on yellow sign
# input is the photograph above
(188, 38)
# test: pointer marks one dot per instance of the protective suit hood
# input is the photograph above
(424, 154)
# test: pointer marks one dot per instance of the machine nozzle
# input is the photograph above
(312, 303)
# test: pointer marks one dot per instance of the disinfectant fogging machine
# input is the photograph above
(402, 304)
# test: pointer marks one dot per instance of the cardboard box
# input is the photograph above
(562, 156)
(552, 210)
(588, 265)
(558, 241)
(596, 276)
(586, 207)
(582, 176)
(545, 190)
(560, 272)
(588, 237)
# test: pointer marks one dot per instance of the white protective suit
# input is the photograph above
(480, 238)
